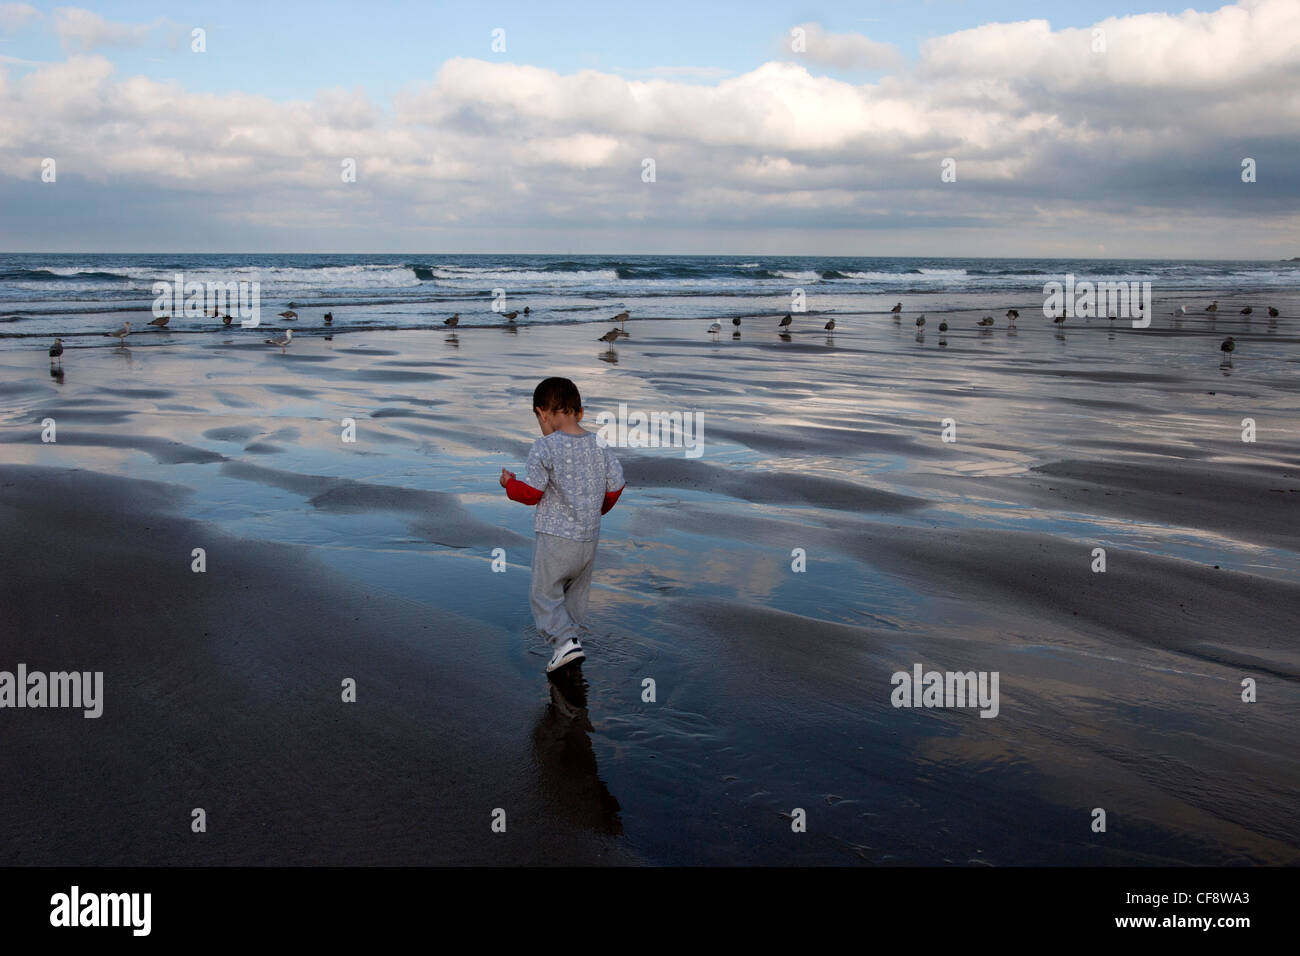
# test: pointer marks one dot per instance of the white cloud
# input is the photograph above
(85, 30)
(1037, 122)
(846, 51)
(14, 16)
(702, 74)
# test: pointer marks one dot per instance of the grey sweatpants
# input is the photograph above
(561, 581)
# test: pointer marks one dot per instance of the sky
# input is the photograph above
(889, 128)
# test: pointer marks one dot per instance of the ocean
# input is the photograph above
(43, 294)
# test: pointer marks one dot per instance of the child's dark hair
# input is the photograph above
(557, 395)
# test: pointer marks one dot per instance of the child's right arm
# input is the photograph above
(528, 492)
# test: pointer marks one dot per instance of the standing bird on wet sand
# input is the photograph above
(329, 318)
(453, 321)
(943, 326)
(736, 321)
(987, 320)
(1247, 310)
(920, 321)
(527, 310)
(56, 352)
(785, 322)
(829, 326)
(1213, 306)
(226, 320)
(897, 309)
(1272, 312)
(611, 337)
(511, 315)
(122, 333)
(715, 327)
(621, 317)
(161, 321)
(1012, 314)
(290, 315)
(1229, 345)
(282, 341)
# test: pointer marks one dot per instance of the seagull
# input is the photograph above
(161, 321)
(896, 309)
(611, 337)
(621, 317)
(1012, 314)
(943, 326)
(987, 320)
(830, 326)
(511, 315)
(282, 341)
(920, 321)
(453, 321)
(785, 322)
(1213, 306)
(122, 333)
(1229, 345)
(290, 315)
(736, 321)
(56, 351)
(1272, 312)
(329, 318)
(715, 327)
(1247, 310)
(226, 320)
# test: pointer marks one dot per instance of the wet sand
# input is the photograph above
(372, 560)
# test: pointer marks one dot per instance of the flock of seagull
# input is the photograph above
(1228, 345)
(613, 335)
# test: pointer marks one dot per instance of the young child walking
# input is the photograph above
(573, 480)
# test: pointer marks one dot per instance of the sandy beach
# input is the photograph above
(371, 560)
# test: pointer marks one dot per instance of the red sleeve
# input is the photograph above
(516, 490)
(610, 498)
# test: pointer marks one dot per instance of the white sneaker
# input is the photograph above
(566, 653)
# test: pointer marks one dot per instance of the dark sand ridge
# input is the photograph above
(762, 487)
(163, 450)
(1258, 503)
(981, 773)
(222, 691)
(437, 516)
(1141, 600)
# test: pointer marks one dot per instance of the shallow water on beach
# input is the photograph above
(1119, 689)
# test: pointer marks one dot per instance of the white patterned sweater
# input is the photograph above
(574, 473)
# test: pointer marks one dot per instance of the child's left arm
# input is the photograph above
(614, 482)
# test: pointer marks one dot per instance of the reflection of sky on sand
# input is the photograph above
(737, 727)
